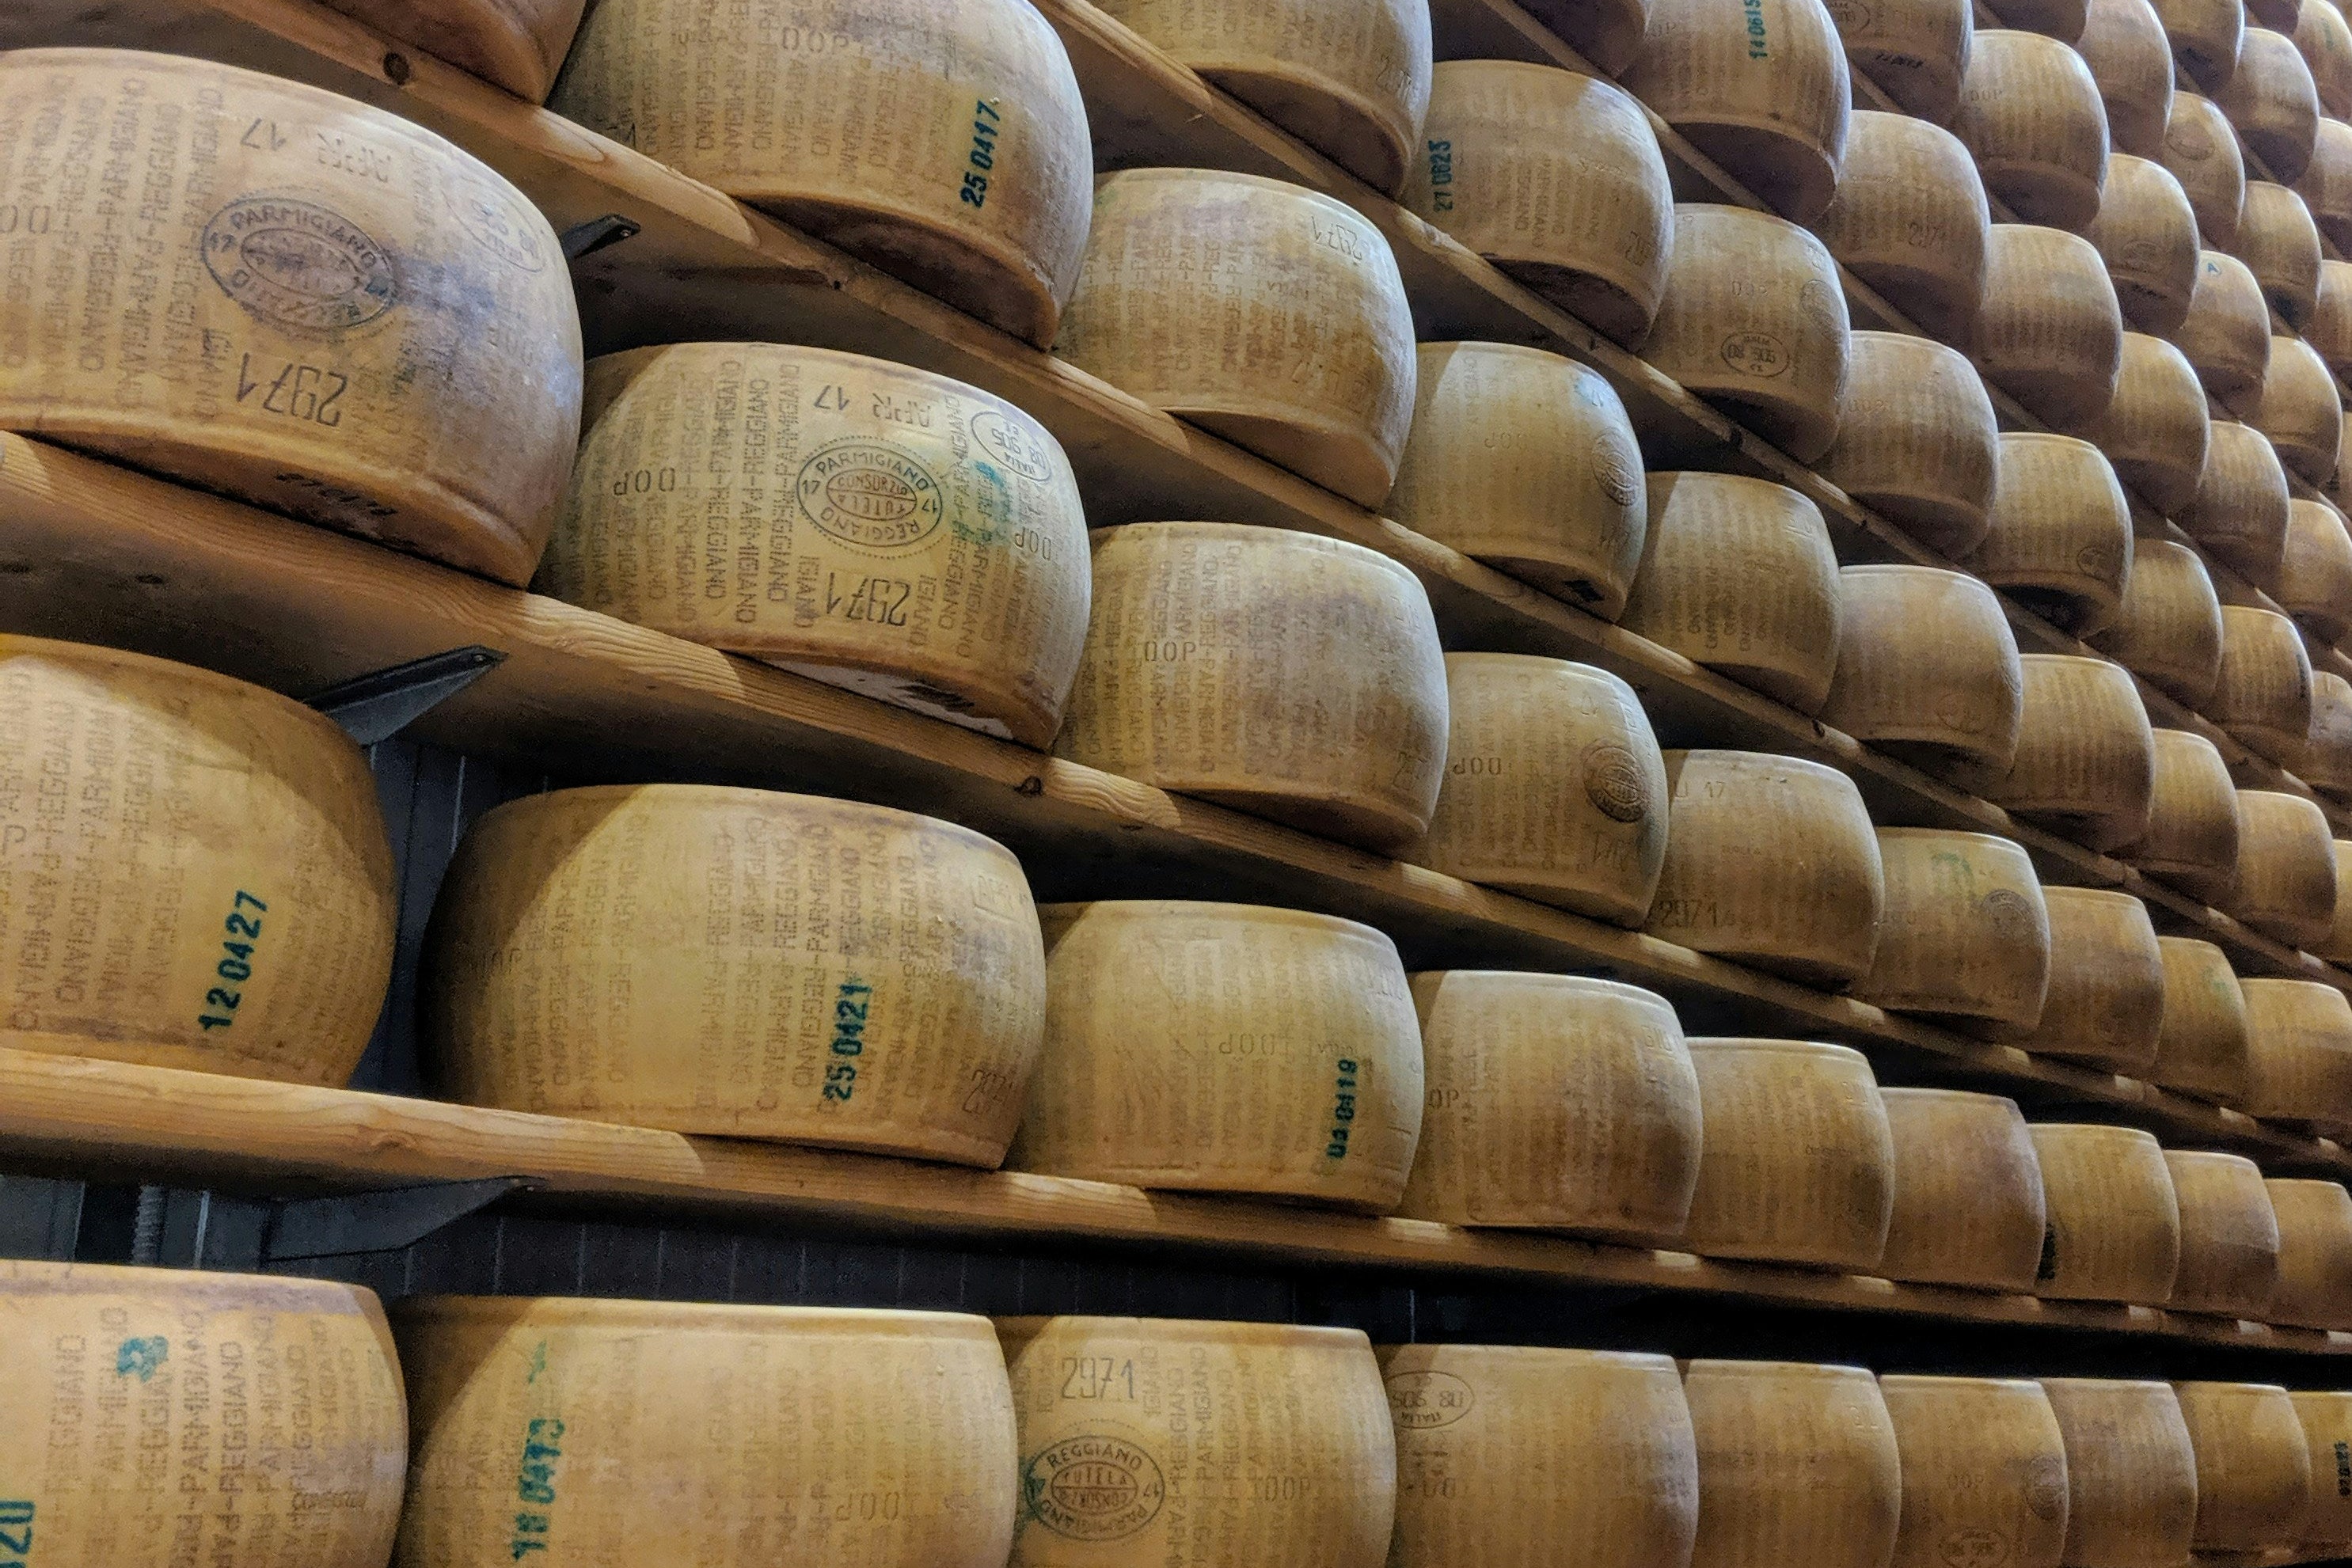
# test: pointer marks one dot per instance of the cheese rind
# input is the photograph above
(1968, 1191)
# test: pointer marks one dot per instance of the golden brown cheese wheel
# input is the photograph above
(1966, 937)
(2326, 764)
(1738, 574)
(2240, 514)
(2326, 1420)
(2314, 576)
(1984, 1471)
(2154, 434)
(1266, 314)
(340, 316)
(2324, 41)
(1771, 860)
(2277, 14)
(2227, 336)
(872, 526)
(1754, 319)
(2131, 1475)
(739, 962)
(2298, 1054)
(2314, 1286)
(2207, 36)
(2229, 1237)
(2286, 868)
(1554, 788)
(2104, 1001)
(1968, 1191)
(2301, 410)
(1556, 178)
(567, 1433)
(2169, 628)
(2326, 185)
(1797, 1164)
(1224, 1048)
(2113, 1225)
(2147, 234)
(2051, 333)
(2263, 697)
(2123, 44)
(1195, 1445)
(1514, 1457)
(2274, 102)
(1916, 440)
(2279, 244)
(1606, 32)
(1526, 461)
(1554, 1102)
(162, 1417)
(2030, 112)
(1927, 668)
(2061, 542)
(1910, 220)
(1913, 51)
(2192, 838)
(1293, 676)
(2200, 149)
(2330, 333)
(1796, 1463)
(2254, 1471)
(194, 871)
(2337, 946)
(2085, 759)
(2203, 1049)
(518, 45)
(945, 144)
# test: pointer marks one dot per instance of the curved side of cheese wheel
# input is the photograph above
(1966, 937)
(1984, 1466)
(2147, 234)
(2031, 111)
(2114, 1223)
(1917, 440)
(2299, 1054)
(2229, 1236)
(1796, 1463)
(2194, 834)
(2051, 332)
(2131, 1474)
(1968, 1191)
(2204, 1049)
(2104, 1002)
(2168, 627)
(2254, 1470)
(2314, 1284)
(2286, 867)
(2086, 753)
(1797, 1164)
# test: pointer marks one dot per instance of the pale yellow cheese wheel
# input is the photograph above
(2324, 41)
(2326, 1418)
(2085, 759)
(873, 525)
(1554, 788)
(1738, 574)
(1263, 313)
(2030, 112)
(2113, 1225)
(1555, 177)
(2207, 36)
(738, 962)
(2240, 514)
(1293, 676)
(1606, 32)
(2147, 234)
(178, 847)
(285, 296)
(1224, 1048)
(2337, 947)
(2327, 763)
(2254, 1470)
(1910, 220)
(2229, 1237)
(1771, 860)
(1984, 1471)
(1916, 440)
(2131, 1474)
(1927, 668)
(2227, 336)
(518, 45)
(2274, 102)
(2201, 149)
(2263, 697)
(2326, 185)
(1966, 936)
(1968, 1191)
(1146, 1441)
(2051, 333)
(2104, 1001)
(1754, 319)
(569, 1433)
(2301, 410)
(1797, 1164)
(945, 143)
(2315, 1221)
(2299, 1053)
(2154, 434)
(1797, 1463)
(2123, 44)
(2286, 867)
(2278, 243)
(1526, 461)
(2330, 333)
(1912, 50)
(2314, 575)
(167, 1417)
(1517, 1457)
(2204, 1049)
(2061, 542)
(1352, 81)
(2193, 837)
(2169, 628)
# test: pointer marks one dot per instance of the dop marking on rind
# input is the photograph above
(869, 495)
(1422, 1400)
(1613, 782)
(1010, 445)
(1757, 354)
(298, 264)
(1093, 1487)
(492, 220)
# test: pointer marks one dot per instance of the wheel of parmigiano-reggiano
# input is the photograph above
(2263, 697)
(613, 953)
(1773, 862)
(2314, 1286)
(196, 869)
(1796, 1463)
(2200, 150)
(1926, 669)
(2301, 410)
(2324, 41)
(2337, 947)
(341, 317)
(1554, 788)
(2114, 1227)
(1913, 51)
(2314, 575)
(2192, 836)
(879, 527)
(2061, 542)
(2274, 102)
(2330, 333)
(1293, 676)
(2123, 44)
(1984, 1471)
(1606, 32)
(1910, 220)
(519, 45)
(2326, 1418)
(2240, 514)
(2147, 234)
(1525, 460)
(2229, 1237)
(1512, 1456)
(2030, 112)
(2154, 434)
(2326, 764)
(2085, 762)
(1968, 1191)
(1146, 1441)
(2286, 867)
(2227, 336)
(2203, 1049)
(1554, 1102)
(2299, 1052)
(1557, 179)
(1916, 440)
(1966, 937)
(1754, 318)
(2326, 185)
(946, 144)
(2131, 1475)
(663, 1431)
(1224, 1048)
(1797, 1164)
(167, 1417)
(2254, 1471)
(2279, 244)
(1738, 574)
(2207, 36)
(2169, 629)
(2051, 333)
(2104, 1001)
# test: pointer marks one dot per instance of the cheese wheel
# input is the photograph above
(2279, 244)
(2114, 1227)
(1984, 1471)
(1554, 788)
(1526, 461)
(619, 953)
(2338, 488)
(2240, 514)
(2326, 185)
(2277, 14)
(2154, 434)
(1797, 1166)
(2227, 336)
(1966, 937)
(2254, 1471)
(1224, 1048)
(2229, 1237)
(2192, 838)
(1296, 677)
(875, 527)
(2326, 1420)
(2298, 1054)
(2274, 102)
(2263, 697)
(2301, 410)
(2207, 36)
(2051, 333)
(2200, 149)
(2147, 234)
(2286, 868)
(944, 144)
(1916, 440)
(1754, 319)
(2168, 629)
(2327, 761)
(1554, 177)
(2330, 333)
(2203, 1049)
(2030, 112)
(1352, 82)
(2061, 542)
(677, 1432)
(1910, 220)
(2315, 1285)
(1194, 1445)
(2336, 948)
(2125, 45)
(1968, 1191)
(195, 870)
(1913, 51)
(1606, 32)
(161, 1417)
(2086, 760)
(2104, 1001)
(1738, 574)
(1499, 1448)
(1773, 862)
(1927, 668)
(2314, 576)
(2131, 1475)
(1796, 1463)
(1266, 314)
(2324, 41)
(518, 45)
(343, 317)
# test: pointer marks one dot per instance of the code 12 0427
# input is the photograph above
(242, 935)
